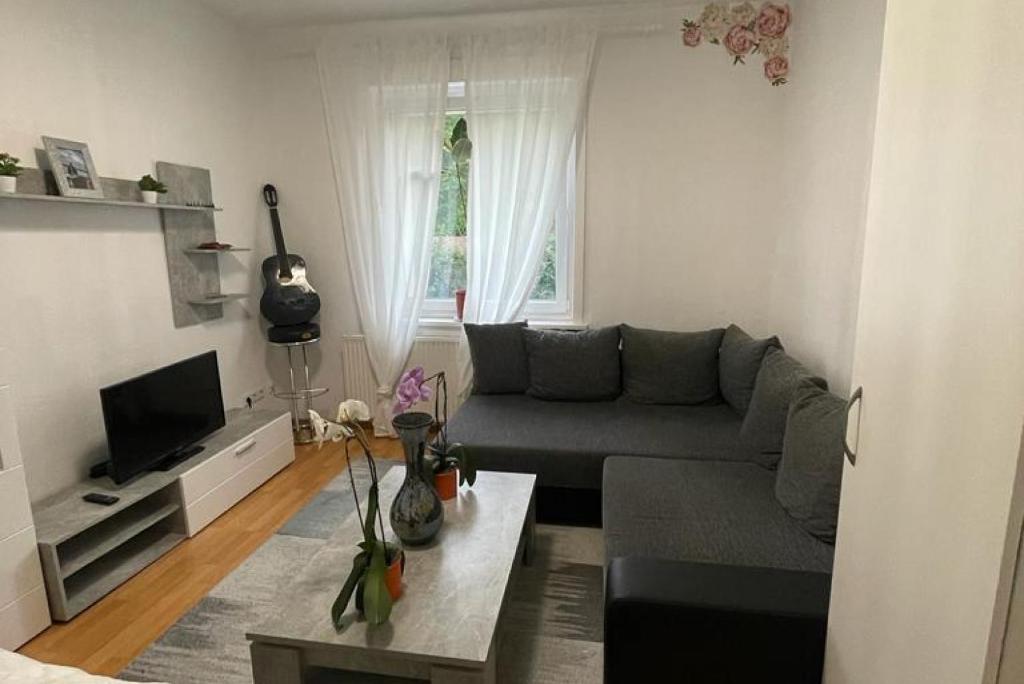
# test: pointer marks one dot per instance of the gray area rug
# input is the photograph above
(551, 632)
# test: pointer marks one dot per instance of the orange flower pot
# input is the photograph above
(447, 483)
(393, 579)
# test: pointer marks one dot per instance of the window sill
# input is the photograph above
(449, 327)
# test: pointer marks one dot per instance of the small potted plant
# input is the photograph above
(376, 575)
(150, 188)
(9, 172)
(453, 464)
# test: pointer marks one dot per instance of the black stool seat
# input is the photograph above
(294, 334)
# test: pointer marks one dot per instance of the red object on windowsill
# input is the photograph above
(460, 303)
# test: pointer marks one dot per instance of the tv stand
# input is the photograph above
(88, 550)
(178, 457)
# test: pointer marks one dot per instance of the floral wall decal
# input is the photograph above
(744, 30)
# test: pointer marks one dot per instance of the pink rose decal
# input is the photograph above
(776, 68)
(744, 31)
(773, 20)
(739, 41)
(692, 36)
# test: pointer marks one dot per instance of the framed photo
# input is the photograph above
(73, 168)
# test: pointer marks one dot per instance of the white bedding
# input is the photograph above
(17, 669)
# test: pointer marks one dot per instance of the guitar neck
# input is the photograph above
(282, 252)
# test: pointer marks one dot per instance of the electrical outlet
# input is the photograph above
(257, 395)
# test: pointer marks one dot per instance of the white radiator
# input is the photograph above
(433, 353)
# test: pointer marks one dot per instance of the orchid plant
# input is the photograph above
(367, 579)
(414, 387)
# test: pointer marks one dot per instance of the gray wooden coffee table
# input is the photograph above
(444, 628)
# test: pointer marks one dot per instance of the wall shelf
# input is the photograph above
(197, 250)
(217, 299)
(60, 199)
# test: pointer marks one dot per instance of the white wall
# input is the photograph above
(87, 300)
(826, 158)
(683, 156)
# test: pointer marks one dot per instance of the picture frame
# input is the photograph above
(73, 168)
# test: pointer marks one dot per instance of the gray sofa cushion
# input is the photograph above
(702, 511)
(565, 443)
(574, 365)
(660, 367)
(764, 426)
(739, 360)
(499, 358)
(811, 470)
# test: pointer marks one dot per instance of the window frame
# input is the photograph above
(567, 305)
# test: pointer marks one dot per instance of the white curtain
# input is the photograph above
(525, 93)
(384, 103)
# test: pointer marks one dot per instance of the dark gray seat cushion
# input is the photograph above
(568, 365)
(778, 381)
(702, 511)
(739, 360)
(811, 470)
(565, 443)
(499, 358)
(660, 367)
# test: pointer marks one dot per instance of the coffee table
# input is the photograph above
(444, 628)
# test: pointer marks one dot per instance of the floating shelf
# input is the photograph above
(217, 299)
(100, 202)
(303, 393)
(197, 250)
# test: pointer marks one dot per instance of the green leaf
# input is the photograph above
(467, 464)
(376, 598)
(359, 565)
(459, 132)
(462, 150)
(372, 504)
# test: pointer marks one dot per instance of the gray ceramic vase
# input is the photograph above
(417, 512)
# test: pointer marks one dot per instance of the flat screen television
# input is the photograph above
(153, 419)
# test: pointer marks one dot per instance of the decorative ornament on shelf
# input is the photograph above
(376, 574)
(743, 30)
(9, 172)
(150, 188)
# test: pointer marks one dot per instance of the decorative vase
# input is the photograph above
(8, 183)
(460, 303)
(416, 513)
(149, 196)
(447, 483)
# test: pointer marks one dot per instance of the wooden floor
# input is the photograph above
(110, 634)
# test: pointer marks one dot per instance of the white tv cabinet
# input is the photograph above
(87, 549)
(23, 611)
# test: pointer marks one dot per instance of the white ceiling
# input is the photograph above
(291, 13)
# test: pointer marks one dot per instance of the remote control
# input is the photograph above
(102, 499)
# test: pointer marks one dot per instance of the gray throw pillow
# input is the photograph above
(811, 470)
(661, 367)
(573, 366)
(778, 381)
(739, 360)
(499, 358)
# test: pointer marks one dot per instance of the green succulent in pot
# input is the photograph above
(9, 165)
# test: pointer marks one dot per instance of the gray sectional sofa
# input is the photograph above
(717, 460)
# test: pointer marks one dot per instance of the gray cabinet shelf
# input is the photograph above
(217, 299)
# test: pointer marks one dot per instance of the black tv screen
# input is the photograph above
(154, 416)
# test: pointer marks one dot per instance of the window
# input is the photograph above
(551, 297)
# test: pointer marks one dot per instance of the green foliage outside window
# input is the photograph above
(448, 257)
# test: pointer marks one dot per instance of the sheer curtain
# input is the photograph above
(384, 102)
(525, 93)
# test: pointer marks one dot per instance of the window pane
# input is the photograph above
(448, 258)
(546, 289)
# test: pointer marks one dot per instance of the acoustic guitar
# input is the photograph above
(288, 298)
